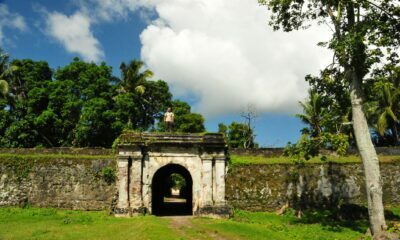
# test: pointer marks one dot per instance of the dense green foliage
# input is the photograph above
(81, 104)
(66, 224)
(238, 135)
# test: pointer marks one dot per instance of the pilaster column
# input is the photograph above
(135, 184)
(122, 208)
(220, 180)
(207, 181)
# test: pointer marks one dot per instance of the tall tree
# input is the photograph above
(237, 134)
(314, 114)
(249, 114)
(140, 100)
(357, 27)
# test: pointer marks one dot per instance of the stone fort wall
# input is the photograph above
(83, 179)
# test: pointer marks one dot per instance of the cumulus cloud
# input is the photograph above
(74, 33)
(10, 20)
(220, 52)
(223, 52)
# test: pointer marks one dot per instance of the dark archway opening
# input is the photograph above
(172, 188)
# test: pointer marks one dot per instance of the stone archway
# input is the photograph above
(179, 205)
(202, 157)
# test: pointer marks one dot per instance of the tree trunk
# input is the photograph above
(369, 158)
(395, 134)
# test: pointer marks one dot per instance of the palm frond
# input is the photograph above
(382, 124)
(140, 89)
(4, 88)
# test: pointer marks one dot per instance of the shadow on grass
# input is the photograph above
(350, 216)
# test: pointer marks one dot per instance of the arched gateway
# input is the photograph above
(146, 162)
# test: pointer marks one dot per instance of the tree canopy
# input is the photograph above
(81, 104)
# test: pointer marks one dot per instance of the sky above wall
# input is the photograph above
(218, 55)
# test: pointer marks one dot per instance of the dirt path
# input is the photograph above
(184, 226)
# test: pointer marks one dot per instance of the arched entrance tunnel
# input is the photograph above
(172, 189)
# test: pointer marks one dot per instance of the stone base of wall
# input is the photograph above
(224, 211)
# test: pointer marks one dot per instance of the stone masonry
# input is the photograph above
(141, 155)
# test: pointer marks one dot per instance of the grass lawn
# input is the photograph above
(247, 160)
(46, 223)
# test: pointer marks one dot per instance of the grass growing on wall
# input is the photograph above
(248, 160)
(54, 156)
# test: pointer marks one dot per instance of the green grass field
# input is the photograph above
(45, 223)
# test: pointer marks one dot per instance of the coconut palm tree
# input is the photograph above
(133, 78)
(385, 109)
(314, 114)
(3, 73)
(6, 71)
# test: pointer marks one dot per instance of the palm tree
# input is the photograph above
(314, 114)
(385, 109)
(3, 73)
(6, 71)
(134, 80)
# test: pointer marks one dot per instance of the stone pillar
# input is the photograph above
(220, 181)
(122, 208)
(207, 181)
(135, 184)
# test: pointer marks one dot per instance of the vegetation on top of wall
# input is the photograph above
(5, 156)
(248, 160)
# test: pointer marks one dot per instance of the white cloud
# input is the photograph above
(109, 10)
(74, 33)
(10, 20)
(223, 52)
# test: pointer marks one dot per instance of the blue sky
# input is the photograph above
(218, 55)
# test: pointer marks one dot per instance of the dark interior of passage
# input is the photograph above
(172, 188)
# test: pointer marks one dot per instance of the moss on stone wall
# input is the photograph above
(57, 180)
(268, 187)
